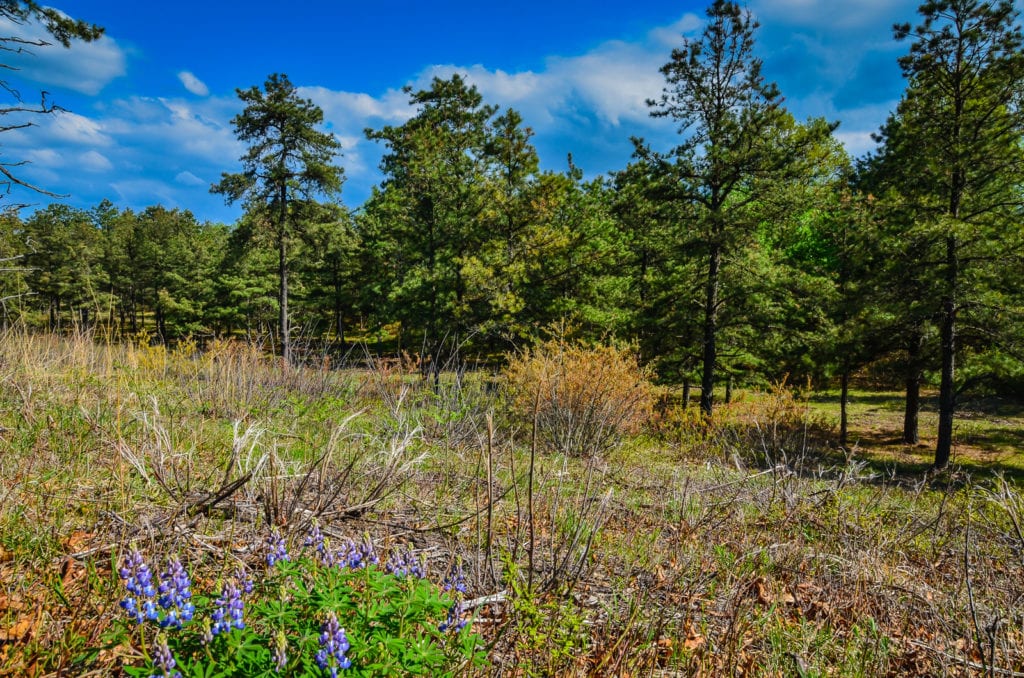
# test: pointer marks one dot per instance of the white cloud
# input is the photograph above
(44, 157)
(75, 129)
(193, 84)
(186, 178)
(85, 67)
(94, 161)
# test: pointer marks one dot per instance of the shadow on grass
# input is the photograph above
(988, 406)
(887, 455)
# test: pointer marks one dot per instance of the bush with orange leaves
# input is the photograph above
(584, 399)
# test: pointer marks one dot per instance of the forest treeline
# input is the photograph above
(754, 249)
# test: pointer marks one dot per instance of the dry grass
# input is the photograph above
(737, 550)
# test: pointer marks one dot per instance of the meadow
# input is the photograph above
(751, 546)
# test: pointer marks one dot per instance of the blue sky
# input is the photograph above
(149, 105)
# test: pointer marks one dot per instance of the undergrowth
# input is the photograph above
(741, 548)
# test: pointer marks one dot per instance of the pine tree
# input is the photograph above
(960, 131)
(289, 162)
(738, 141)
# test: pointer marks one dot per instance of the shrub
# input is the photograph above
(583, 399)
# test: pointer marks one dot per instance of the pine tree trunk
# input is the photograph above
(282, 273)
(912, 408)
(844, 400)
(947, 387)
(686, 394)
(707, 382)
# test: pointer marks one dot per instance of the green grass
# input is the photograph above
(988, 433)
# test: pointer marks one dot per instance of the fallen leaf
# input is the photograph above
(76, 540)
(693, 642)
(19, 630)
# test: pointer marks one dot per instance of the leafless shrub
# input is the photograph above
(584, 399)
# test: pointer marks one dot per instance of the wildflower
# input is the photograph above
(361, 555)
(244, 580)
(316, 539)
(278, 551)
(138, 580)
(454, 582)
(333, 646)
(404, 563)
(163, 660)
(228, 613)
(279, 653)
(454, 622)
(175, 591)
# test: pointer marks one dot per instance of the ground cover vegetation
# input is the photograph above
(476, 451)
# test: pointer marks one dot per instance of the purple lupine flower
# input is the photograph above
(163, 660)
(357, 556)
(404, 563)
(244, 580)
(229, 610)
(454, 622)
(279, 653)
(367, 553)
(321, 544)
(175, 591)
(455, 580)
(333, 646)
(277, 549)
(315, 538)
(138, 580)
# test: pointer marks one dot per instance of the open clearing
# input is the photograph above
(681, 553)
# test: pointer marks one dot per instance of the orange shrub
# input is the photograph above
(584, 398)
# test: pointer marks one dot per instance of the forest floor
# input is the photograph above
(753, 547)
(988, 432)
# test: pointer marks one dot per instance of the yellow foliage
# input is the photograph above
(582, 398)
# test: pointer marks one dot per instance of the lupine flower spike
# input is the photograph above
(175, 591)
(316, 539)
(277, 550)
(404, 563)
(333, 646)
(138, 579)
(163, 660)
(455, 583)
(229, 610)
(279, 652)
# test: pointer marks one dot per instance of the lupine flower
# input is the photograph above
(175, 595)
(359, 555)
(138, 579)
(244, 580)
(455, 621)
(455, 582)
(229, 610)
(333, 646)
(279, 653)
(404, 563)
(316, 539)
(277, 550)
(163, 660)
